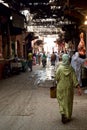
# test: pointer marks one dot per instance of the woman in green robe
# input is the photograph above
(66, 81)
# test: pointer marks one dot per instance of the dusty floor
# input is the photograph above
(25, 103)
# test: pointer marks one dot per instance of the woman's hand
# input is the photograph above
(79, 91)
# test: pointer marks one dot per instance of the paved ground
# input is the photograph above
(25, 104)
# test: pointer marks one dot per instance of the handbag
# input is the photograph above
(53, 90)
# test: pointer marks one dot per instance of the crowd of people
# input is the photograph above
(68, 75)
(41, 58)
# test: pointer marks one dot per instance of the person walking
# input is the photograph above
(44, 59)
(77, 63)
(30, 60)
(66, 81)
(53, 58)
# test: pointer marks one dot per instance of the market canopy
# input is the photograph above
(51, 9)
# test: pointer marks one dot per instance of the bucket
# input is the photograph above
(53, 92)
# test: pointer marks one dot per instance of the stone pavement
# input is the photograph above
(25, 103)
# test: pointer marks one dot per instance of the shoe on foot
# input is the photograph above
(64, 119)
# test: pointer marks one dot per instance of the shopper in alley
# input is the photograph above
(77, 64)
(66, 82)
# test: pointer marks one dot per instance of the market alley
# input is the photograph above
(25, 103)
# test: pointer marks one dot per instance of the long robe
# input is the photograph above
(66, 81)
(77, 63)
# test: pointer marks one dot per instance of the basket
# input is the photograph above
(53, 92)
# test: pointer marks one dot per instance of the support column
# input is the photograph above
(1, 46)
(9, 43)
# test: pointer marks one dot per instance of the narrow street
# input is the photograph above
(25, 103)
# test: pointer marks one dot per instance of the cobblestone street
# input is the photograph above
(25, 103)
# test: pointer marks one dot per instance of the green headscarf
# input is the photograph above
(65, 60)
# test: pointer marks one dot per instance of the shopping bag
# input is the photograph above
(53, 92)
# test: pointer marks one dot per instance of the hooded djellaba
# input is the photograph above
(66, 82)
